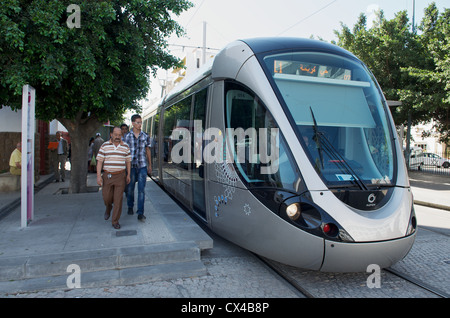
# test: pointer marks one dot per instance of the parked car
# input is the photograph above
(431, 159)
(416, 159)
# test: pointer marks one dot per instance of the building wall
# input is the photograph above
(11, 134)
(425, 137)
(10, 120)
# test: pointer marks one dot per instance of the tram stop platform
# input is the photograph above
(431, 190)
(69, 242)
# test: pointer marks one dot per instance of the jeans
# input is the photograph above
(138, 175)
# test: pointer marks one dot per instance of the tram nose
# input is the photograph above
(356, 257)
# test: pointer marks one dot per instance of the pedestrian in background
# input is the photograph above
(15, 161)
(59, 153)
(115, 159)
(98, 142)
(92, 162)
(139, 143)
(125, 130)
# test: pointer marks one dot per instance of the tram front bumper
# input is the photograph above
(356, 257)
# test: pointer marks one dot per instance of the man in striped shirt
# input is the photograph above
(115, 158)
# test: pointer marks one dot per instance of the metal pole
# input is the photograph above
(27, 171)
(204, 43)
(408, 131)
(408, 139)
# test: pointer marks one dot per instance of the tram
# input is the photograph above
(287, 148)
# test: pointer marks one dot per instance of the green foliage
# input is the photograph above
(411, 67)
(88, 72)
(100, 69)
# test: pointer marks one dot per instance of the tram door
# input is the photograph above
(198, 171)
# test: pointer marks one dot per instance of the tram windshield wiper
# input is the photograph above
(323, 144)
(316, 138)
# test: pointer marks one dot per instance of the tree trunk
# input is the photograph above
(80, 130)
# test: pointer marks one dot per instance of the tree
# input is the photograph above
(434, 78)
(385, 48)
(410, 67)
(89, 63)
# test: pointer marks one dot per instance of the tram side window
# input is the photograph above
(175, 116)
(245, 110)
(154, 143)
(145, 126)
(199, 118)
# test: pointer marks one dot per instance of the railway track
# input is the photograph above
(395, 282)
(285, 272)
(278, 269)
(418, 282)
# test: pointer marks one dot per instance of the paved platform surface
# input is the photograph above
(431, 190)
(70, 230)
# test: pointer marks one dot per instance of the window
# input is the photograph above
(154, 141)
(339, 115)
(259, 150)
(177, 117)
(199, 118)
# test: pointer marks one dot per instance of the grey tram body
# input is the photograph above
(235, 213)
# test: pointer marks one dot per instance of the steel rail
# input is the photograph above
(418, 282)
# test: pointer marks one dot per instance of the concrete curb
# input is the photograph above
(123, 265)
(432, 205)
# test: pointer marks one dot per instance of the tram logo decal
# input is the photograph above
(371, 199)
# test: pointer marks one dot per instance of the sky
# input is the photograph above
(229, 20)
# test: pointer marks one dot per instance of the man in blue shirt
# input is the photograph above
(139, 143)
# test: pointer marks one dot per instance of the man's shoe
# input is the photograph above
(141, 217)
(107, 212)
(116, 226)
(130, 211)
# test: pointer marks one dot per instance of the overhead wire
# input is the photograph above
(306, 18)
(190, 20)
(187, 24)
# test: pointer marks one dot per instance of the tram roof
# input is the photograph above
(261, 45)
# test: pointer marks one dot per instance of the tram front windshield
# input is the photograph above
(339, 114)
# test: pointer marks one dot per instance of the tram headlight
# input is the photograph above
(301, 214)
(308, 216)
(293, 211)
